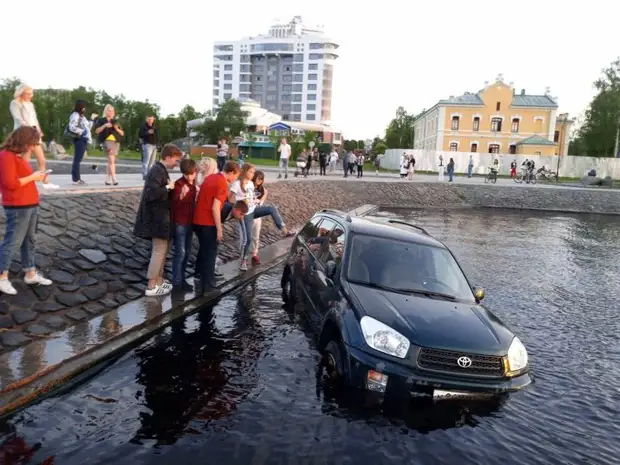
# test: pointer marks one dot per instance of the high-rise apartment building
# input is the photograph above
(289, 71)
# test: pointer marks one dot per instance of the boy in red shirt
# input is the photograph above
(183, 199)
(208, 220)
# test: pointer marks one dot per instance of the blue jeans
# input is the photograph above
(283, 166)
(221, 161)
(80, 149)
(245, 226)
(450, 174)
(21, 229)
(207, 238)
(148, 158)
(182, 250)
(469, 170)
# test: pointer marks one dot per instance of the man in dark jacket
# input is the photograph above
(148, 139)
(153, 220)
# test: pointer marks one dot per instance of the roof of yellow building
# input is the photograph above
(535, 140)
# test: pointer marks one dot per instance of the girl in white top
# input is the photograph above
(24, 114)
(243, 189)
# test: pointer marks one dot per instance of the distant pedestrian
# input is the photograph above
(470, 166)
(411, 167)
(333, 159)
(513, 168)
(78, 130)
(285, 153)
(450, 168)
(153, 220)
(20, 199)
(222, 154)
(360, 165)
(149, 139)
(377, 164)
(441, 167)
(323, 163)
(110, 135)
(24, 114)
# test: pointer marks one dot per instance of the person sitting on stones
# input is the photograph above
(20, 199)
(153, 221)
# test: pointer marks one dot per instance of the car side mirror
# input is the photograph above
(330, 269)
(478, 293)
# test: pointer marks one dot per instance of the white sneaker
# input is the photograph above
(167, 284)
(157, 291)
(37, 279)
(243, 266)
(6, 287)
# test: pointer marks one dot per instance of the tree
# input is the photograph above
(229, 122)
(349, 145)
(399, 133)
(380, 148)
(598, 133)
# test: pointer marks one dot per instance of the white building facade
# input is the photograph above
(289, 71)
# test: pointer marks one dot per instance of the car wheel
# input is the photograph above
(333, 361)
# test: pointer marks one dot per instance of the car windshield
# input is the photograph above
(407, 267)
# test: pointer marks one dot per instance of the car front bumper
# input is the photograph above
(404, 381)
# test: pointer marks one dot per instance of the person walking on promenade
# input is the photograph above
(411, 168)
(285, 153)
(110, 134)
(513, 168)
(78, 130)
(222, 154)
(361, 159)
(441, 167)
(20, 199)
(153, 221)
(24, 114)
(333, 159)
(450, 169)
(148, 138)
(470, 166)
(323, 164)
(377, 164)
(183, 199)
(208, 220)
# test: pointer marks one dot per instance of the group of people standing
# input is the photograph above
(78, 131)
(199, 203)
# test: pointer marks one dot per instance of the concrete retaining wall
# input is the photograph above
(570, 166)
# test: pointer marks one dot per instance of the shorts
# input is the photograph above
(111, 148)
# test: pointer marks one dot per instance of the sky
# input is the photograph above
(392, 53)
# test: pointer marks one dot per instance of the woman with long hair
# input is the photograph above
(206, 167)
(24, 114)
(79, 131)
(20, 199)
(110, 135)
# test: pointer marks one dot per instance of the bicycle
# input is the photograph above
(491, 176)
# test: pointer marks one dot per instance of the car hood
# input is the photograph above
(440, 324)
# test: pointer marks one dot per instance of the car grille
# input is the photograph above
(445, 361)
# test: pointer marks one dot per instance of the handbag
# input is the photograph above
(68, 134)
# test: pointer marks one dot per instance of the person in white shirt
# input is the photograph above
(441, 167)
(285, 154)
(333, 158)
(24, 114)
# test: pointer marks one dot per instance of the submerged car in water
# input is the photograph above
(394, 312)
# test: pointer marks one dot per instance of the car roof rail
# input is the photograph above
(346, 216)
(419, 228)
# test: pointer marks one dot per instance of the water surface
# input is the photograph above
(237, 383)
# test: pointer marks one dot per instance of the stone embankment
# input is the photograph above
(85, 241)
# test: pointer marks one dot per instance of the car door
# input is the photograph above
(301, 254)
(326, 284)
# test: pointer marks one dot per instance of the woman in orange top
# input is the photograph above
(20, 199)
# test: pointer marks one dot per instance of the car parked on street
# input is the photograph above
(394, 312)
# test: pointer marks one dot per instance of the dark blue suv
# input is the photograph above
(394, 312)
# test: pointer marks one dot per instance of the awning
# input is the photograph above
(262, 145)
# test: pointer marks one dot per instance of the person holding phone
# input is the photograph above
(110, 135)
(20, 200)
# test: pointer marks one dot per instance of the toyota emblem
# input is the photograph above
(464, 362)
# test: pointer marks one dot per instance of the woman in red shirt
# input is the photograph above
(20, 199)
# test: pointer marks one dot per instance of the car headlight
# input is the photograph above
(383, 338)
(517, 357)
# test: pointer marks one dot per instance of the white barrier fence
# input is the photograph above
(570, 166)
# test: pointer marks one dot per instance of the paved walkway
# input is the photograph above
(96, 182)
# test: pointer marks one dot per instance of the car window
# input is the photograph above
(335, 247)
(319, 242)
(406, 266)
(310, 229)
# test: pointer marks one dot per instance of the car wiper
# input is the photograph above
(407, 291)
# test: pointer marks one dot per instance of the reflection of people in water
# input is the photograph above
(15, 451)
